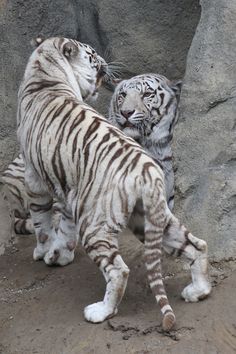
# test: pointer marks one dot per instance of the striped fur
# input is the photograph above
(14, 178)
(72, 153)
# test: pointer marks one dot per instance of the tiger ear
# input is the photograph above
(70, 50)
(37, 41)
(176, 87)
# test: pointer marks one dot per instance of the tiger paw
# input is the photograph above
(98, 312)
(38, 254)
(194, 293)
(168, 322)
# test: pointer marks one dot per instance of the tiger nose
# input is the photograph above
(127, 114)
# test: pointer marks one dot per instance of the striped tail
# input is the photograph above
(155, 208)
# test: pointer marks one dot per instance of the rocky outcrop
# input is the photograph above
(204, 140)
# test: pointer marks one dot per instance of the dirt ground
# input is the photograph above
(42, 309)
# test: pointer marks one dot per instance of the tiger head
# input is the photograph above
(145, 105)
(76, 63)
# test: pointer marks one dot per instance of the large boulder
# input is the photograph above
(204, 140)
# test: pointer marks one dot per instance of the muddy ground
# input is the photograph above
(42, 309)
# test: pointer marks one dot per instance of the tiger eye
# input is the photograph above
(123, 94)
(147, 94)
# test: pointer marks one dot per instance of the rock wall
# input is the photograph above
(204, 140)
(6, 220)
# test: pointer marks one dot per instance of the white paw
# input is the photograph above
(60, 257)
(98, 312)
(194, 293)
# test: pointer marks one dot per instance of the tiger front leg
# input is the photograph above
(62, 250)
(180, 242)
(104, 252)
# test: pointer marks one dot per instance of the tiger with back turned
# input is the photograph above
(72, 153)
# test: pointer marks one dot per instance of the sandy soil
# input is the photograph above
(42, 309)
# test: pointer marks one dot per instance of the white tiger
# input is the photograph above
(72, 153)
(145, 107)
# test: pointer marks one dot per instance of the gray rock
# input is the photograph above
(6, 220)
(204, 140)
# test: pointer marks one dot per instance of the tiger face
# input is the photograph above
(88, 68)
(143, 104)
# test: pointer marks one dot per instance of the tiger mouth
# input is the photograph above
(127, 125)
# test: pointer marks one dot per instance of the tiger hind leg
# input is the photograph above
(62, 250)
(104, 252)
(178, 242)
(40, 206)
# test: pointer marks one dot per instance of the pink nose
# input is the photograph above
(127, 114)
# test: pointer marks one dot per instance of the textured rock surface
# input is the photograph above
(152, 36)
(6, 220)
(205, 146)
